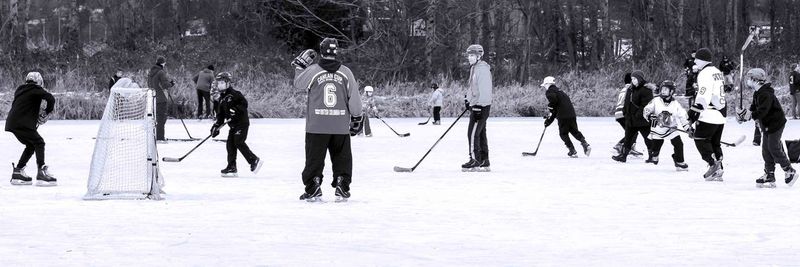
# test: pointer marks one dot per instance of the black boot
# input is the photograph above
(572, 153)
(766, 181)
(256, 165)
(341, 194)
(587, 149)
(43, 178)
(470, 165)
(316, 192)
(229, 171)
(652, 158)
(622, 157)
(18, 176)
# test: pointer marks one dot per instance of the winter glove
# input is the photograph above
(43, 117)
(356, 123)
(305, 59)
(690, 132)
(694, 113)
(215, 130)
(466, 103)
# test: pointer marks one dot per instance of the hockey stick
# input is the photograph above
(390, 127)
(426, 121)
(168, 159)
(753, 32)
(537, 145)
(735, 143)
(179, 117)
(401, 169)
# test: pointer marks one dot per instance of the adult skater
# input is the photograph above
(708, 114)
(334, 114)
(636, 99)
(202, 82)
(561, 108)
(691, 77)
(436, 101)
(23, 120)
(666, 116)
(626, 79)
(368, 101)
(233, 109)
(479, 102)
(158, 81)
(794, 90)
(766, 110)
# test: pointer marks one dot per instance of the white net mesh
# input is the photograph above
(125, 162)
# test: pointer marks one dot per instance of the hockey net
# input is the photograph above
(125, 160)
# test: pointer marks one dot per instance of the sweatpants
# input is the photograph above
(772, 151)
(437, 113)
(338, 145)
(569, 126)
(478, 145)
(630, 137)
(34, 144)
(203, 98)
(236, 141)
(161, 119)
(707, 138)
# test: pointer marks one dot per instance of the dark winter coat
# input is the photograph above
(767, 109)
(794, 82)
(559, 103)
(24, 113)
(113, 81)
(726, 67)
(635, 100)
(203, 80)
(158, 81)
(233, 107)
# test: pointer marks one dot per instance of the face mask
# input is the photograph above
(472, 59)
(666, 93)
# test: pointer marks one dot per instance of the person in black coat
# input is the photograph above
(114, 79)
(561, 108)
(766, 110)
(233, 109)
(23, 121)
(636, 99)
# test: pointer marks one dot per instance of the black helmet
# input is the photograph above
(435, 86)
(224, 76)
(328, 47)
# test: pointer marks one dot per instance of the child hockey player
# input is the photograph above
(666, 116)
(369, 103)
(437, 98)
(23, 120)
(766, 110)
(708, 112)
(334, 114)
(233, 109)
(621, 119)
(638, 96)
(561, 108)
(479, 102)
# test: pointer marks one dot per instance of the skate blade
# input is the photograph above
(18, 182)
(766, 185)
(682, 169)
(340, 199)
(230, 175)
(794, 179)
(483, 169)
(573, 156)
(467, 169)
(45, 184)
(314, 199)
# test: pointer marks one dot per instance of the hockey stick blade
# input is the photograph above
(738, 141)
(401, 169)
(404, 135)
(168, 159)
(525, 154)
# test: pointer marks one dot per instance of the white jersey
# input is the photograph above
(666, 129)
(710, 95)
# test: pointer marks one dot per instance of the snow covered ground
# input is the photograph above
(548, 210)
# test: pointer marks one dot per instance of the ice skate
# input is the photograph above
(766, 181)
(437, 122)
(43, 177)
(256, 165)
(635, 152)
(681, 166)
(316, 192)
(469, 166)
(572, 153)
(587, 149)
(790, 176)
(617, 149)
(714, 172)
(483, 166)
(653, 158)
(341, 195)
(230, 171)
(18, 177)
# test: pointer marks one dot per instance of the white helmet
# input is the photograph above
(368, 89)
(34, 77)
